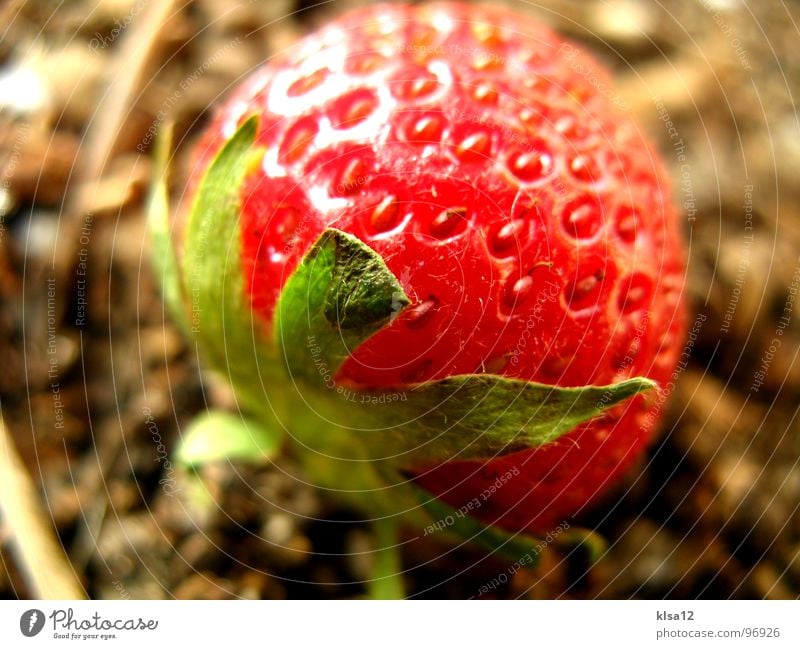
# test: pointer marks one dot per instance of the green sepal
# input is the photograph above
(211, 261)
(516, 547)
(228, 333)
(585, 541)
(164, 258)
(386, 578)
(480, 416)
(218, 435)
(341, 294)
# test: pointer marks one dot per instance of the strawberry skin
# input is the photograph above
(524, 214)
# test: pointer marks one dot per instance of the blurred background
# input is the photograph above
(95, 382)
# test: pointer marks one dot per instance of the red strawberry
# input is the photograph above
(524, 214)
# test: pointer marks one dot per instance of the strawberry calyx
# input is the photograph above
(340, 295)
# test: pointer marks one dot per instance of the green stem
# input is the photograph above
(387, 575)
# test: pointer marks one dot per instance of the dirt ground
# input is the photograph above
(95, 382)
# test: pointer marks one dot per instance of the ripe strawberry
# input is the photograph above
(524, 214)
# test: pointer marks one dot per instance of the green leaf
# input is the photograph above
(516, 547)
(229, 334)
(480, 416)
(341, 294)
(217, 435)
(211, 264)
(164, 259)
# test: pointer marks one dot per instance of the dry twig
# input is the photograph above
(41, 557)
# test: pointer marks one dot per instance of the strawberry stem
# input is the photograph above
(387, 570)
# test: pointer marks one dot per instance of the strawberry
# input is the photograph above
(525, 217)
